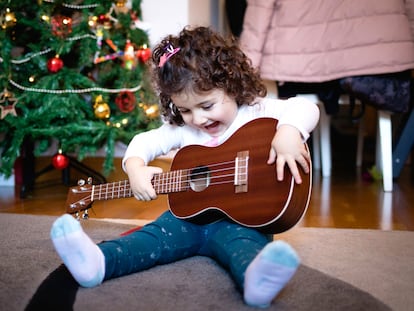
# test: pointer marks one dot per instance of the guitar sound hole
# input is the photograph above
(199, 178)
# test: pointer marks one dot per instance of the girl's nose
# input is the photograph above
(199, 119)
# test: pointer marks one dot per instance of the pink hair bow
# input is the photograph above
(170, 51)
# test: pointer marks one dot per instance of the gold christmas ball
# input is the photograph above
(120, 3)
(7, 19)
(121, 6)
(102, 110)
(152, 111)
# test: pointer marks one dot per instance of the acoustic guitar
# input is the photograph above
(231, 180)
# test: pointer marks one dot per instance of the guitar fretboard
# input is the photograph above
(164, 183)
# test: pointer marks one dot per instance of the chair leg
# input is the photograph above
(384, 149)
(322, 153)
(325, 142)
(360, 142)
(316, 149)
(321, 138)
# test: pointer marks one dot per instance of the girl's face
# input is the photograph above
(212, 112)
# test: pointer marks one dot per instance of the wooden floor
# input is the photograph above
(345, 200)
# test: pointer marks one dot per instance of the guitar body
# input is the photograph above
(267, 204)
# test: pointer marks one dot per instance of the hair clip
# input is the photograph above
(172, 108)
(170, 51)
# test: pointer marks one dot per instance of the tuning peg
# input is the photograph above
(85, 215)
(77, 216)
(81, 182)
(89, 180)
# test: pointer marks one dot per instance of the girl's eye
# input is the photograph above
(183, 110)
(208, 106)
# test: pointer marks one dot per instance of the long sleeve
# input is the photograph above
(151, 144)
(302, 114)
(296, 111)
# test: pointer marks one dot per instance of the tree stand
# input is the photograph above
(29, 175)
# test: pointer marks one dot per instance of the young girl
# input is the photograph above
(207, 90)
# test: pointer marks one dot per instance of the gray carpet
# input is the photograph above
(32, 277)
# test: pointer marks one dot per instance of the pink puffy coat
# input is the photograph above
(322, 40)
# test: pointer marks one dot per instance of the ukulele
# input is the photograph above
(231, 180)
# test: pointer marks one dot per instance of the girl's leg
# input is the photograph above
(261, 269)
(165, 240)
(234, 247)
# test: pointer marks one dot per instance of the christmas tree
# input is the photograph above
(74, 72)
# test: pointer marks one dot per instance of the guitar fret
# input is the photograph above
(173, 180)
(165, 182)
(178, 181)
(161, 183)
(179, 185)
(156, 183)
(99, 192)
(168, 182)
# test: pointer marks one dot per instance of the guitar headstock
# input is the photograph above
(80, 197)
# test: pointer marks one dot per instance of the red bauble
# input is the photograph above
(54, 64)
(143, 54)
(61, 25)
(126, 101)
(60, 161)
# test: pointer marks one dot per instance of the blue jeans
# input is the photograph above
(170, 239)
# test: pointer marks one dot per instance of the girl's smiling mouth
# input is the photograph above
(212, 128)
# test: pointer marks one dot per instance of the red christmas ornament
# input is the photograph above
(125, 101)
(61, 25)
(104, 20)
(54, 64)
(60, 161)
(144, 54)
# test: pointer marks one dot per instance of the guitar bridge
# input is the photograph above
(241, 171)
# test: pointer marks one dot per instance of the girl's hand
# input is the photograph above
(288, 148)
(140, 177)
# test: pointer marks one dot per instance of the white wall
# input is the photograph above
(170, 16)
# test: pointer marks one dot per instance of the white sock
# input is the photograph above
(269, 272)
(79, 253)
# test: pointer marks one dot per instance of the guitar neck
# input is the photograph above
(164, 183)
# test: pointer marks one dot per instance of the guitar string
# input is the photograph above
(118, 187)
(172, 180)
(169, 175)
(103, 194)
(191, 174)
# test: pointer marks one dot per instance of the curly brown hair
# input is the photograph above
(205, 61)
